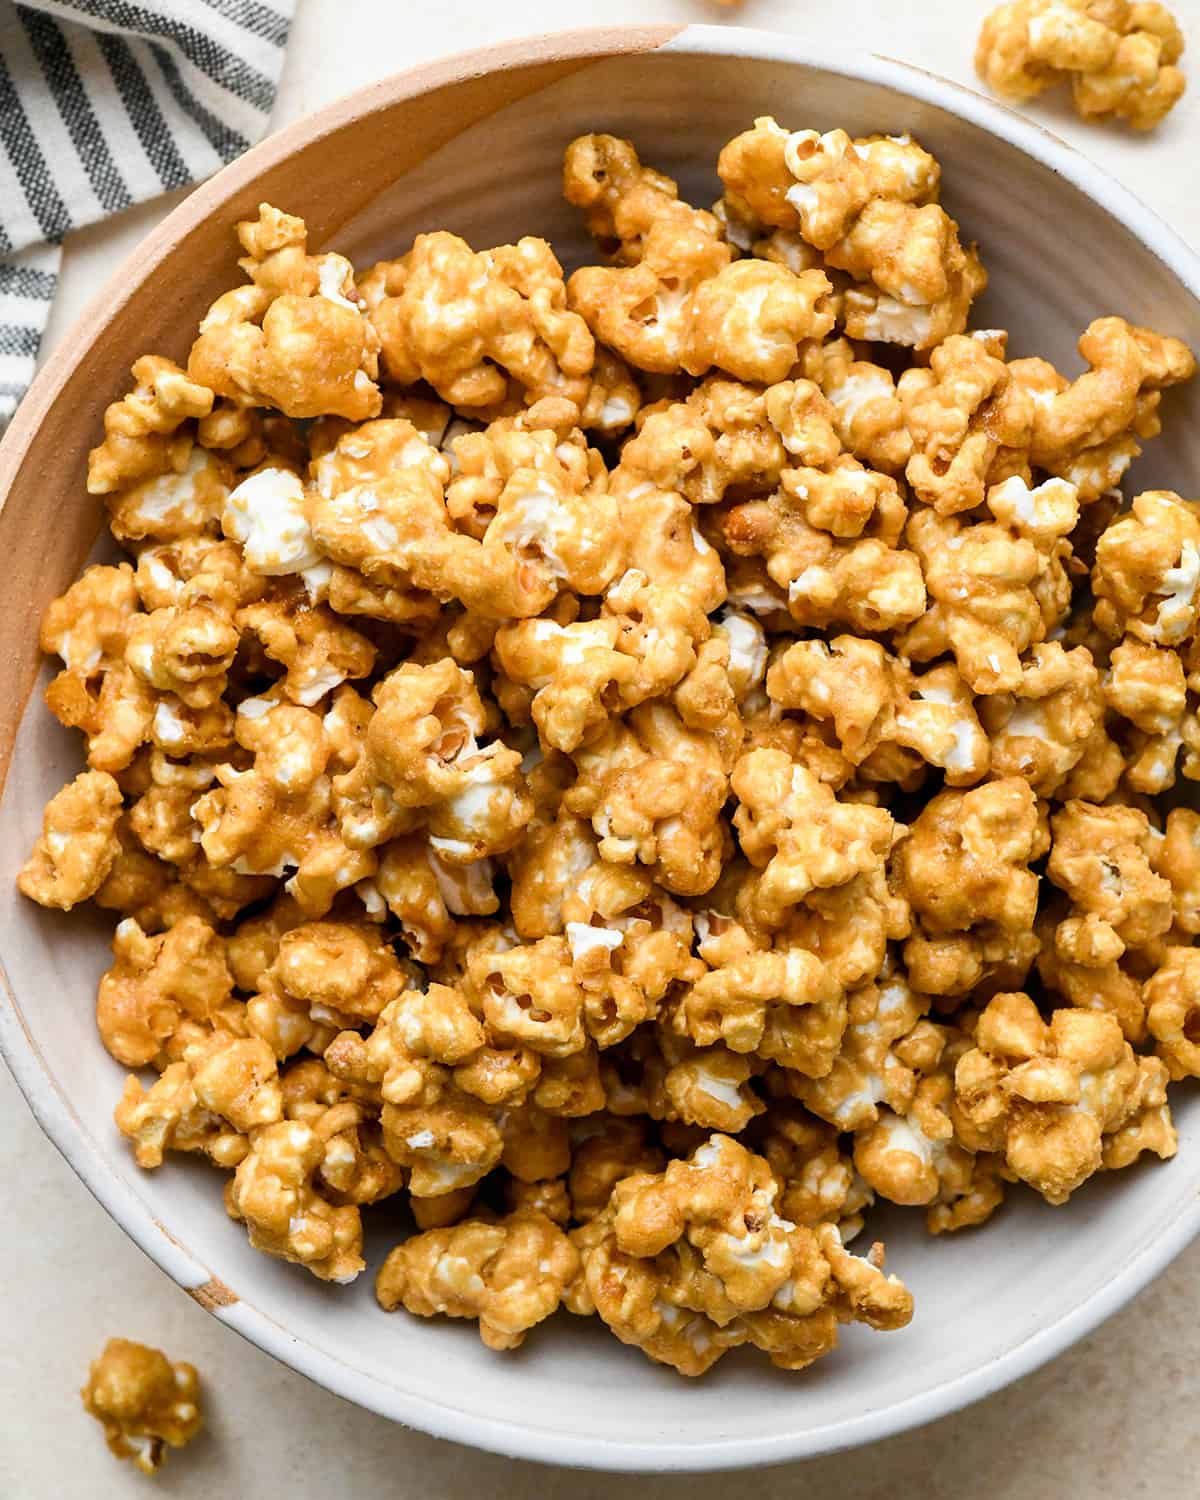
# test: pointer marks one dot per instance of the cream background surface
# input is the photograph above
(1112, 1419)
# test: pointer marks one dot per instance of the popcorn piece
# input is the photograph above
(1100, 856)
(782, 1005)
(866, 206)
(422, 766)
(831, 540)
(727, 1269)
(425, 893)
(870, 1068)
(818, 1181)
(868, 414)
(469, 323)
(678, 303)
(720, 438)
(508, 1275)
(1047, 1094)
(144, 1402)
(654, 792)
(156, 984)
(1040, 732)
(292, 339)
(971, 424)
(1173, 1011)
(174, 505)
(1148, 570)
(575, 670)
(1118, 57)
(964, 867)
(78, 843)
(913, 1157)
(793, 828)
(997, 587)
(1086, 430)
(142, 432)
(614, 1148)
(97, 692)
(273, 1193)
(318, 651)
(224, 1088)
(276, 817)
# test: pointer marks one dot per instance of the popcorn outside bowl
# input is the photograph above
(473, 144)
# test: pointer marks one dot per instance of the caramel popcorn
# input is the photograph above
(144, 1402)
(1047, 1094)
(509, 1276)
(868, 207)
(1119, 56)
(598, 759)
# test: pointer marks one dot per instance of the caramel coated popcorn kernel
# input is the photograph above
(144, 1402)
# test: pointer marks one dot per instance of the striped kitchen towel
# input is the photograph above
(105, 103)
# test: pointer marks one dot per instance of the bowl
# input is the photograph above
(473, 144)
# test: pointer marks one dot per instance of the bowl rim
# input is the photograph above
(54, 1111)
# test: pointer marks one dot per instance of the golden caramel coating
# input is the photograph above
(866, 206)
(1119, 57)
(676, 302)
(144, 1402)
(1173, 1011)
(142, 436)
(868, 414)
(78, 844)
(1046, 1094)
(726, 1269)
(817, 1180)
(971, 424)
(273, 1193)
(784, 1005)
(1086, 431)
(468, 323)
(966, 858)
(997, 587)
(156, 984)
(1041, 730)
(1101, 858)
(792, 827)
(874, 1065)
(508, 1275)
(222, 1089)
(297, 337)
(1148, 569)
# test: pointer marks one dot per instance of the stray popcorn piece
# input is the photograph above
(1118, 55)
(144, 1402)
(509, 1275)
(1047, 1095)
(78, 843)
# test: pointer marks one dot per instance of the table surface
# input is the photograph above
(1111, 1419)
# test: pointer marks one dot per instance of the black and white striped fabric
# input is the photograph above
(103, 104)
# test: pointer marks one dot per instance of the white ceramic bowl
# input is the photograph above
(1063, 244)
